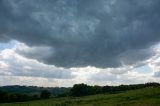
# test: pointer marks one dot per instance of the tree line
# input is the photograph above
(84, 89)
(6, 97)
(76, 91)
(34, 89)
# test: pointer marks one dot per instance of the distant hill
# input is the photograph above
(76, 90)
(18, 93)
(149, 96)
(34, 90)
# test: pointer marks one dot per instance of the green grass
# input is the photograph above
(140, 97)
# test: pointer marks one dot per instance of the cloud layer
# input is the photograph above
(17, 69)
(79, 33)
(13, 64)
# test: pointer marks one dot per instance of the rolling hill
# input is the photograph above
(141, 97)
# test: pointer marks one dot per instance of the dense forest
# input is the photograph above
(27, 93)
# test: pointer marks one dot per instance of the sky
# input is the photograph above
(64, 42)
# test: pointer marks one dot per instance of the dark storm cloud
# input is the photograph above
(100, 33)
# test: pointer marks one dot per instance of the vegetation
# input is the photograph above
(77, 90)
(55, 91)
(83, 89)
(45, 94)
(16, 97)
(149, 96)
(6, 97)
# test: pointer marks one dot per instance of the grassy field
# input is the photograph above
(141, 97)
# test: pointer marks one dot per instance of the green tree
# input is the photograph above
(45, 94)
(81, 90)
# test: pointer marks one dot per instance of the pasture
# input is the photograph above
(141, 97)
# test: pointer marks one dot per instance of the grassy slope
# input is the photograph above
(141, 97)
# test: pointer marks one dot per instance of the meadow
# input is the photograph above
(141, 97)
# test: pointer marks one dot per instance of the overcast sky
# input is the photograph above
(63, 42)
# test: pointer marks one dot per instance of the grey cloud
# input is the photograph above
(82, 33)
(38, 70)
(12, 64)
(39, 53)
(52, 73)
(157, 74)
(102, 76)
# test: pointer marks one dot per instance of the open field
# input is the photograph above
(140, 97)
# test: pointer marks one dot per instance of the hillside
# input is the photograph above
(142, 97)
(34, 89)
